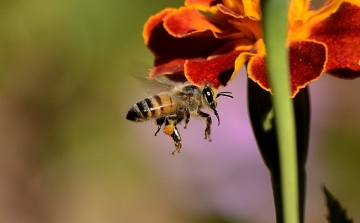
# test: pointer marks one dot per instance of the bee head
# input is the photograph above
(211, 99)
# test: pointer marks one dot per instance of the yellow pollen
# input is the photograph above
(169, 129)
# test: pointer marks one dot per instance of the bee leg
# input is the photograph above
(208, 123)
(175, 136)
(171, 130)
(187, 117)
(159, 123)
(170, 124)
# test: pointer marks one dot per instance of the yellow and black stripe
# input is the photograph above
(153, 107)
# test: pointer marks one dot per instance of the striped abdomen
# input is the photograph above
(152, 108)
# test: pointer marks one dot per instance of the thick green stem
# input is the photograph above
(275, 29)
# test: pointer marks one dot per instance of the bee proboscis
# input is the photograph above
(170, 108)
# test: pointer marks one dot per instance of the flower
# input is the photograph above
(210, 40)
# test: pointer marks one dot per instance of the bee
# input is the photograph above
(170, 108)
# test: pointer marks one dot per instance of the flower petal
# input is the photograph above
(256, 70)
(174, 66)
(171, 52)
(185, 21)
(302, 19)
(218, 70)
(203, 5)
(340, 32)
(228, 11)
(307, 61)
(153, 22)
(241, 9)
(297, 10)
(257, 49)
(252, 9)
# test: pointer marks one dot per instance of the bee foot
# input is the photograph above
(207, 136)
(177, 148)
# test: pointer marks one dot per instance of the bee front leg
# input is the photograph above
(208, 123)
(159, 123)
(186, 117)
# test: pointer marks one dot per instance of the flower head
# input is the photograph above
(210, 40)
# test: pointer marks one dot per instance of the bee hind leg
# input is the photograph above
(208, 124)
(176, 138)
(171, 130)
(159, 123)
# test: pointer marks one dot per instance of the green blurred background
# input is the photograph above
(67, 154)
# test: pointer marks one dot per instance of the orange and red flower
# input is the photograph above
(210, 40)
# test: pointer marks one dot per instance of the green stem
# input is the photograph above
(275, 30)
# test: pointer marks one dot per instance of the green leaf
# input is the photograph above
(336, 213)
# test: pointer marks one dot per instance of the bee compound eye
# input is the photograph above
(208, 94)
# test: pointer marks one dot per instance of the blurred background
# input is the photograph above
(67, 153)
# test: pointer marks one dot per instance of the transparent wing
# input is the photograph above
(156, 85)
(151, 86)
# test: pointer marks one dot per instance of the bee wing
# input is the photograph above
(150, 86)
(155, 85)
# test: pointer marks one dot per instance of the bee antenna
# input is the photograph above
(225, 93)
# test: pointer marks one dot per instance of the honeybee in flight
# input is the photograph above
(170, 108)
